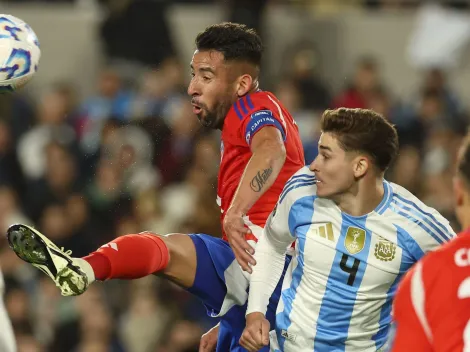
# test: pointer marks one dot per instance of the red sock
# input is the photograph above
(129, 257)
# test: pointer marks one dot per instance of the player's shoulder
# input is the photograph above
(254, 104)
(262, 98)
(404, 197)
(411, 208)
(301, 184)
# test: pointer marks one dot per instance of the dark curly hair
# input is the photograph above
(235, 41)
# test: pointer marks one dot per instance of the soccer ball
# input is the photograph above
(19, 53)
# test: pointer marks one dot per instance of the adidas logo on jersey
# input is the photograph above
(288, 336)
(111, 245)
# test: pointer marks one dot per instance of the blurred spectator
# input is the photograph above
(150, 215)
(394, 4)
(247, 12)
(129, 31)
(107, 199)
(60, 179)
(183, 337)
(112, 99)
(131, 150)
(19, 112)
(10, 211)
(145, 323)
(314, 94)
(54, 109)
(10, 169)
(435, 81)
(366, 79)
(307, 120)
(177, 149)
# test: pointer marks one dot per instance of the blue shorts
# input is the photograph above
(223, 288)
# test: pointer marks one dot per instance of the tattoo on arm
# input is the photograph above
(260, 179)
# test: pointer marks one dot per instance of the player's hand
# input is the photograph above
(209, 340)
(256, 333)
(235, 229)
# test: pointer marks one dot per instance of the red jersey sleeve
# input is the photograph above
(259, 110)
(433, 302)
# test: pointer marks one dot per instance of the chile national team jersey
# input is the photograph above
(432, 305)
(246, 117)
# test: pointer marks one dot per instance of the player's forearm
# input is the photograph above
(270, 258)
(260, 174)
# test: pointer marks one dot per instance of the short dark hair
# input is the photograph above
(464, 161)
(235, 41)
(363, 130)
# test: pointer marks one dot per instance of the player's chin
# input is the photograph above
(322, 191)
(205, 120)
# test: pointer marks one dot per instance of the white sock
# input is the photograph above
(86, 268)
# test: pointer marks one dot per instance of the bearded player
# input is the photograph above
(432, 306)
(261, 150)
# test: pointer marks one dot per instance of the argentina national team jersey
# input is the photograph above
(337, 293)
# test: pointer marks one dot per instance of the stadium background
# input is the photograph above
(103, 142)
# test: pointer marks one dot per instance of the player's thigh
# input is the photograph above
(219, 281)
(198, 263)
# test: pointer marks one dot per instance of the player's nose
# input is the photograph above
(193, 89)
(313, 165)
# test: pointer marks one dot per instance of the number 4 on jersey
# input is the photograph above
(352, 271)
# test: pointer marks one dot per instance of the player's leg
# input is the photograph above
(197, 262)
(126, 257)
(138, 255)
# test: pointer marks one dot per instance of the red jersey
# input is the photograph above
(246, 117)
(432, 305)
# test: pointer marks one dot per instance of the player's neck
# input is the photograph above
(363, 198)
(463, 215)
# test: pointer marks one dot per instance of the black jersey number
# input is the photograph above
(351, 270)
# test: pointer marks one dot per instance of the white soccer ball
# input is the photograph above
(19, 53)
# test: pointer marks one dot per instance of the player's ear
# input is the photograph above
(459, 191)
(361, 165)
(244, 84)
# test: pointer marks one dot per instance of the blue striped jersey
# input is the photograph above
(337, 293)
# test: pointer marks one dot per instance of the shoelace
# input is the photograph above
(67, 252)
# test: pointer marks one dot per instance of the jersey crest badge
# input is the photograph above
(355, 240)
(385, 250)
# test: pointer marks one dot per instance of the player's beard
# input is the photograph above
(215, 117)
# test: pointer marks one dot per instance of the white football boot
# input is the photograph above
(71, 275)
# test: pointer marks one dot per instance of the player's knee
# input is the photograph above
(182, 262)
